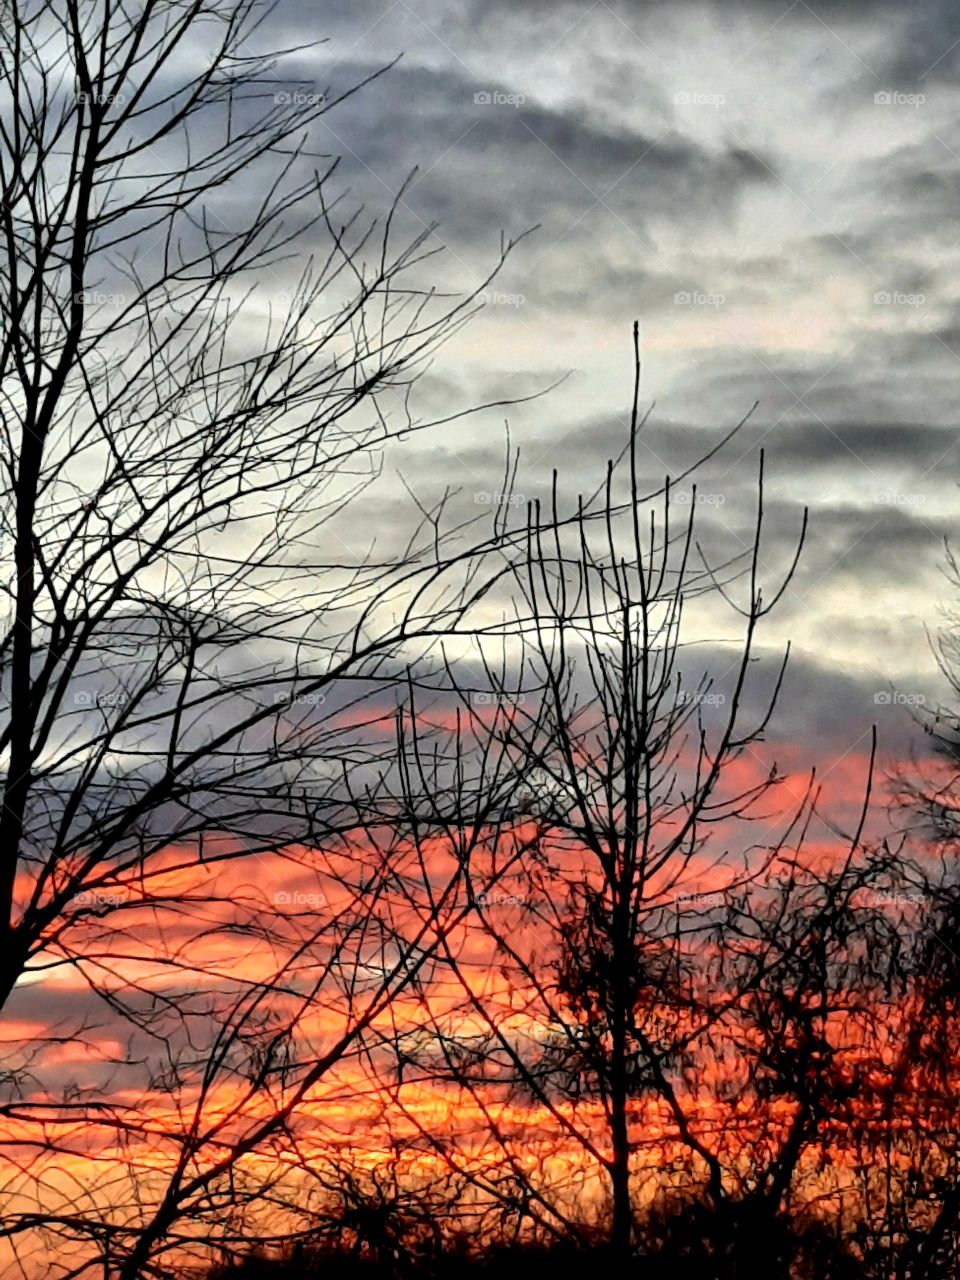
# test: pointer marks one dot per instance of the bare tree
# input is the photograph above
(914, 1228)
(196, 658)
(615, 966)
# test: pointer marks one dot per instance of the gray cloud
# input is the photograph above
(485, 165)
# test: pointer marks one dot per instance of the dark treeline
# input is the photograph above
(680, 1244)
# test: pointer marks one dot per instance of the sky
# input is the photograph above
(769, 189)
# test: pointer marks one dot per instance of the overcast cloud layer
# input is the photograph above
(772, 190)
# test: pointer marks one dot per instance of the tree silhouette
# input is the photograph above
(194, 653)
(619, 970)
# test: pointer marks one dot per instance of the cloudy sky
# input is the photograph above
(770, 188)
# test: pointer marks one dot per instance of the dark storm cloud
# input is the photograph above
(836, 707)
(901, 511)
(915, 181)
(797, 447)
(922, 37)
(58, 1007)
(870, 544)
(820, 702)
(485, 164)
(799, 10)
(870, 378)
(927, 51)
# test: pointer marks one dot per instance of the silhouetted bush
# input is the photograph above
(678, 1242)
